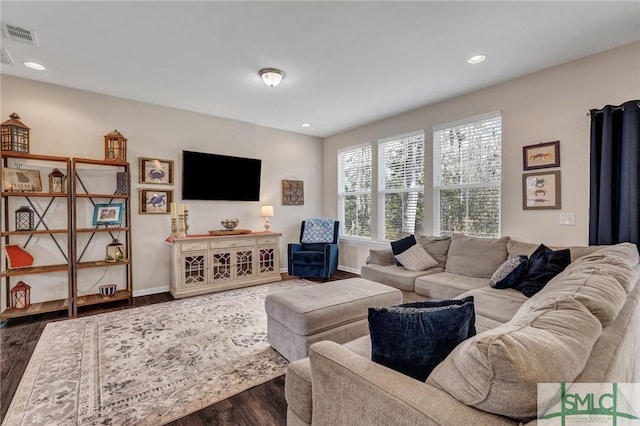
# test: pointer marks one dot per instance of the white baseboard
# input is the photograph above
(351, 270)
(149, 291)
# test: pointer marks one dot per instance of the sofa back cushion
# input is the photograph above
(600, 281)
(476, 257)
(498, 370)
(437, 247)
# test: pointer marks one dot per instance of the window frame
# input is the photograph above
(437, 169)
(342, 194)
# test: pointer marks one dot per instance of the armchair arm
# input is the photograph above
(349, 389)
(330, 259)
(292, 248)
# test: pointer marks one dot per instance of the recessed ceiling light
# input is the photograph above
(306, 125)
(476, 59)
(35, 66)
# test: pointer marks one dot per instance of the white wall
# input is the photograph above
(546, 106)
(71, 123)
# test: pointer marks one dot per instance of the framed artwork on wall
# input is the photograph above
(292, 193)
(156, 171)
(541, 156)
(541, 191)
(108, 214)
(155, 202)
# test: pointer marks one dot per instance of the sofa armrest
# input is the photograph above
(347, 386)
(381, 257)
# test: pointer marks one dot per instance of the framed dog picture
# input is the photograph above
(541, 156)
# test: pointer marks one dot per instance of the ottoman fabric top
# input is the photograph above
(315, 308)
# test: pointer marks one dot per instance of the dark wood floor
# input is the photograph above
(261, 405)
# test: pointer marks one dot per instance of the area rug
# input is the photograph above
(149, 365)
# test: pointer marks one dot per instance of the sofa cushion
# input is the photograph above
(394, 276)
(437, 247)
(499, 305)
(413, 338)
(381, 257)
(445, 285)
(509, 272)
(415, 258)
(476, 257)
(600, 281)
(498, 370)
(401, 245)
(544, 264)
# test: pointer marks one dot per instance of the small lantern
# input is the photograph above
(14, 135)
(116, 252)
(24, 219)
(21, 295)
(56, 182)
(115, 147)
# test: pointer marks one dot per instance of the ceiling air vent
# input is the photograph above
(21, 35)
(5, 58)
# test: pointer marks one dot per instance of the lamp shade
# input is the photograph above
(271, 76)
(266, 211)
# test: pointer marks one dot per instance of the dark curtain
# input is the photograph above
(614, 209)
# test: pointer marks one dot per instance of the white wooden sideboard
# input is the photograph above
(206, 264)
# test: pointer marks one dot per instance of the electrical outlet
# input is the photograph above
(568, 219)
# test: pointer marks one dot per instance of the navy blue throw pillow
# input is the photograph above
(401, 245)
(544, 264)
(509, 272)
(413, 338)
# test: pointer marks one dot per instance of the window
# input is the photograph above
(354, 191)
(401, 187)
(467, 176)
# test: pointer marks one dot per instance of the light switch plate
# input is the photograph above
(568, 219)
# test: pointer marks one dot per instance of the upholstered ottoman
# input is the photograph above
(334, 311)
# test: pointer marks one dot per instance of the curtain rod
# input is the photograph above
(621, 107)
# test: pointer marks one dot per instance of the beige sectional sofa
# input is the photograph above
(582, 327)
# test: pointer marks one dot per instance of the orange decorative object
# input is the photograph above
(18, 257)
(21, 295)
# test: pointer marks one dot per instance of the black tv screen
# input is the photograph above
(220, 177)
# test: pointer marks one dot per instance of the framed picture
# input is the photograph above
(541, 191)
(292, 193)
(155, 202)
(17, 180)
(541, 156)
(108, 214)
(154, 170)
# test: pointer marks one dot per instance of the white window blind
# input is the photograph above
(467, 176)
(354, 191)
(401, 185)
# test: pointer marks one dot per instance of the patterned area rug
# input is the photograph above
(149, 365)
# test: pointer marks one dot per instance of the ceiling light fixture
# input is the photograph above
(476, 59)
(271, 76)
(35, 66)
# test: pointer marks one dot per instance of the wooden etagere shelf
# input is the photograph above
(81, 191)
(66, 238)
(60, 236)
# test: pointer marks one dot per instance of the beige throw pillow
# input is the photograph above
(498, 370)
(415, 258)
(476, 257)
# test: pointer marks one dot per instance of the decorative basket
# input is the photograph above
(230, 224)
(108, 290)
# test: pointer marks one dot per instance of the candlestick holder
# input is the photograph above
(186, 223)
(174, 227)
(181, 226)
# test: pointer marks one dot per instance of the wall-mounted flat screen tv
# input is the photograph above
(220, 177)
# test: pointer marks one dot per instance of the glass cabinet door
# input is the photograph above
(194, 268)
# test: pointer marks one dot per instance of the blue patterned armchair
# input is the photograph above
(317, 253)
